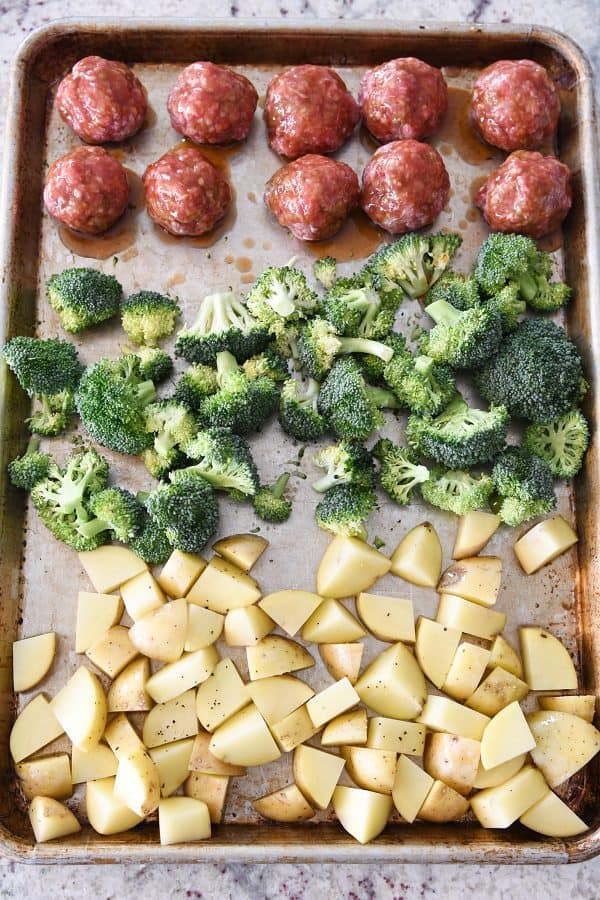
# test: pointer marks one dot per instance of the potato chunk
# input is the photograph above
(180, 572)
(503, 655)
(160, 634)
(486, 778)
(204, 628)
(452, 759)
(499, 807)
(141, 595)
(393, 685)
(171, 721)
(473, 532)
(583, 705)
(285, 805)
(410, 788)
(222, 586)
(278, 696)
(107, 814)
(276, 655)
(543, 543)
(244, 740)
(506, 735)
(435, 648)
(393, 734)
(51, 820)
(363, 814)
(552, 817)
(349, 728)
(35, 726)
(47, 776)
(465, 671)
(32, 658)
(332, 623)
(172, 763)
(243, 550)
(290, 609)
(113, 651)
(128, 692)
(418, 557)
(496, 691)
(342, 660)
(443, 804)
(246, 626)
(563, 744)
(137, 782)
(441, 714)
(182, 820)
(221, 695)
(348, 567)
(333, 700)
(387, 618)
(316, 773)
(211, 789)
(373, 770)
(188, 672)
(80, 707)
(470, 618)
(475, 578)
(100, 762)
(110, 566)
(96, 613)
(547, 664)
(294, 729)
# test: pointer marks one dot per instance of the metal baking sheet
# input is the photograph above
(39, 578)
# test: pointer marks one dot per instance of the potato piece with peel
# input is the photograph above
(474, 530)
(506, 735)
(80, 707)
(503, 655)
(161, 633)
(348, 567)
(221, 695)
(211, 789)
(410, 788)
(543, 543)
(342, 660)
(46, 776)
(452, 759)
(35, 726)
(246, 626)
(349, 728)
(172, 763)
(496, 691)
(51, 820)
(183, 820)
(243, 550)
(583, 705)
(470, 618)
(393, 685)
(112, 652)
(32, 658)
(121, 737)
(363, 814)
(396, 735)
(180, 676)
(373, 770)
(333, 700)
(222, 586)
(276, 655)
(171, 721)
(278, 696)
(180, 572)
(244, 740)
(128, 692)
(285, 805)
(465, 671)
(443, 804)
(332, 623)
(316, 773)
(294, 729)
(107, 814)
(290, 609)
(442, 714)
(499, 807)
(487, 778)
(435, 648)
(96, 613)
(387, 618)
(476, 578)
(204, 627)
(203, 761)
(547, 664)
(110, 566)
(141, 595)
(99, 762)
(418, 557)
(137, 782)
(564, 744)
(552, 817)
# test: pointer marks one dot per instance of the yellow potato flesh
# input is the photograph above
(111, 566)
(107, 814)
(211, 789)
(506, 735)
(276, 655)
(80, 707)
(564, 744)
(349, 728)
(290, 609)
(435, 648)
(100, 762)
(552, 817)
(393, 734)
(278, 696)
(487, 778)
(51, 820)
(496, 691)
(141, 595)
(543, 543)
(285, 805)
(128, 692)
(342, 660)
(583, 706)
(183, 820)
(332, 623)
(171, 721)
(246, 626)
(316, 773)
(348, 567)
(121, 737)
(373, 770)
(113, 651)
(96, 613)
(48, 776)
(294, 729)
(243, 550)
(137, 782)
(503, 655)
(418, 557)
(410, 788)
(547, 664)
(221, 695)
(204, 627)
(32, 658)
(465, 671)
(335, 699)
(35, 726)
(222, 586)
(387, 618)
(499, 807)
(474, 531)
(475, 578)
(180, 572)
(363, 814)
(172, 764)
(202, 760)
(442, 714)
(470, 618)
(161, 633)
(452, 759)
(244, 740)
(443, 804)
(177, 677)
(393, 685)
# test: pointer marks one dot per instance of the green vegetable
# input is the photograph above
(269, 502)
(344, 510)
(421, 384)
(349, 405)
(155, 364)
(461, 291)
(147, 317)
(523, 485)
(25, 471)
(413, 263)
(223, 323)
(83, 297)
(457, 491)
(115, 511)
(561, 443)
(281, 297)
(399, 472)
(172, 426)
(324, 270)
(195, 384)
(345, 463)
(268, 364)
(239, 404)
(152, 544)
(225, 460)
(355, 309)
(298, 412)
(186, 509)
(509, 306)
(373, 367)
(319, 345)
(464, 340)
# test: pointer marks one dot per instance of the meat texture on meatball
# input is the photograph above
(87, 190)
(102, 100)
(309, 109)
(405, 186)
(529, 193)
(212, 104)
(403, 99)
(312, 196)
(515, 105)
(185, 193)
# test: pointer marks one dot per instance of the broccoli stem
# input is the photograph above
(381, 398)
(280, 302)
(91, 529)
(363, 345)
(327, 481)
(226, 363)
(528, 286)
(279, 487)
(146, 392)
(424, 365)
(142, 496)
(311, 394)
(443, 312)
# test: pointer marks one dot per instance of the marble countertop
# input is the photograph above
(304, 882)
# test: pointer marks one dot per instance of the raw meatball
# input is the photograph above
(212, 104)
(87, 190)
(528, 193)
(102, 100)
(312, 196)
(309, 109)
(185, 193)
(515, 105)
(405, 186)
(403, 98)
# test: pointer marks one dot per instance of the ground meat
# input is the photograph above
(185, 193)
(87, 190)
(212, 104)
(101, 100)
(309, 109)
(529, 193)
(515, 105)
(405, 186)
(403, 98)
(312, 196)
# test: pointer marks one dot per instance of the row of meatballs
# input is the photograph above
(309, 111)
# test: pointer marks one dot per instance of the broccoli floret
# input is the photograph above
(344, 510)
(523, 485)
(53, 415)
(355, 308)
(223, 323)
(269, 364)
(281, 297)
(239, 404)
(349, 405)
(147, 317)
(460, 436)
(537, 372)
(298, 411)
(412, 264)
(373, 367)
(195, 384)
(345, 463)
(83, 297)
(186, 509)
(116, 511)
(152, 544)
(320, 344)
(172, 426)
(462, 339)
(456, 491)
(325, 270)
(400, 471)
(509, 306)
(269, 502)
(225, 460)
(561, 443)
(550, 295)
(461, 291)
(155, 364)
(421, 384)
(25, 471)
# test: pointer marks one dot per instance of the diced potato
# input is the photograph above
(35, 726)
(506, 735)
(487, 778)
(161, 633)
(246, 626)
(96, 613)
(333, 700)
(172, 763)
(442, 714)
(373, 770)
(51, 819)
(410, 788)
(342, 660)
(543, 543)
(110, 566)
(393, 685)
(211, 789)
(128, 692)
(204, 628)
(285, 805)
(363, 814)
(278, 696)
(332, 623)
(465, 671)
(221, 695)
(294, 729)
(107, 814)
(474, 531)
(475, 578)
(113, 651)
(244, 740)
(183, 820)
(276, 655)
(290, 609)
(435, 648)
(141, 595)
(47, 776)
(443, 804)
(453, 760)
(137, 782)
(503, 655)
(564, 744)
(99, 762)
(393, 734)
(32, 658)
(171, 721)
(499, 807)
(470, 618)
(202, 759)
(418, 556)
(496, 691)
(316, 773)
(80, 707)
(552, 817)
(177, 677)
(180, 572)
(547, 664)
(348, 567)
(222, 586)
(387, 618)
(122, 738)
(349, 728)
(583, 705)
(243, 550)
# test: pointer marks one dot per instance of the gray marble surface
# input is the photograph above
(580, 20)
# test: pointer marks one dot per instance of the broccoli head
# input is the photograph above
(399, 472)
(421, 384)
(463, 340)
(320, 344)
(280, 297)
(413, 263)
(373, 367)
(324, 270)
(355, 309)
(172, 426)
(223, 323)
(345, 463)
(186, 509)
(155, 364)
(25, 471)
(561, 443)
(53, 414)
(152, 544)
(461, 291)
(344, 510)
(195, 384)
(239, 404)
(457, 491)
(268, 364)
(83, 297)
(351, 407)
(298, 411)
(523, 486)
(147, 317)
(225, 460)
(509, 306)
(269, 502)
(114, 511)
